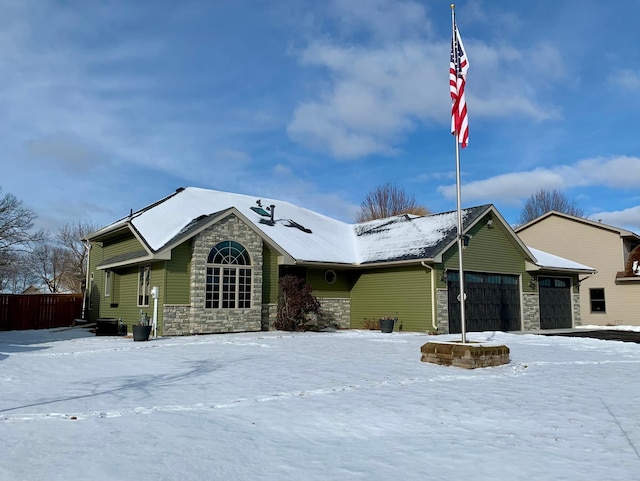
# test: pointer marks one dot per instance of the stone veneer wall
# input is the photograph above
(269, 316)
(334, 312)
(225, 320)
(442, 309)
(530, 311)
(206, 321)
(577, 316)
(176, 319)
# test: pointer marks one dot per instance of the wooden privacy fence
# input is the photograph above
(38, 311)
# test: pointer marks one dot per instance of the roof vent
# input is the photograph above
(265, 213)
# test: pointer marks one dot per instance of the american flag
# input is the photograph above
(458, 67)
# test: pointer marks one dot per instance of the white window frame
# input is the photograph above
(602, 301)
(234, 276)
(108, 279)
(144, 285)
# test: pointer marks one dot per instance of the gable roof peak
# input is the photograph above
(583, 220)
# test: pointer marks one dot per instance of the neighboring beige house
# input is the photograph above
(612, 295)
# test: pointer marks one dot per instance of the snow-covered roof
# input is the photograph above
(306, 236)
(551, 261)
(406, 237)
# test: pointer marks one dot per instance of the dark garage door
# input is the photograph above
(493, 302)
(555, 302)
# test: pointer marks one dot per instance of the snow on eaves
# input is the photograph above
(551, 261)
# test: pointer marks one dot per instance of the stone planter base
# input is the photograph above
(470, 355)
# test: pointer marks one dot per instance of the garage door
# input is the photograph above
(492, 304)
(555, 302)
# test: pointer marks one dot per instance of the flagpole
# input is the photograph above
(462, 295)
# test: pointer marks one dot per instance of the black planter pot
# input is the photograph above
(386, 325)
(141, 333)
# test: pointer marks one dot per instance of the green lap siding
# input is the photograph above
(119, 246)
(125, 288)
(269, 276)
(340, 288)
(401, 291)
(172, 277)
(489, 250)
(178, 275)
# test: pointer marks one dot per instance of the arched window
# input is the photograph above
(228, 283)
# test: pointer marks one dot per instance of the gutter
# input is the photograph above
(87, 245)
(366, 265)
(433, 294)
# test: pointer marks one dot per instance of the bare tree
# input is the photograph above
(15, 273)
(387, 200)
(544, 201)
(16, 223)
(70, 239)
(47, 262)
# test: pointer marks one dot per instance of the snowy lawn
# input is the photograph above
(348, 405)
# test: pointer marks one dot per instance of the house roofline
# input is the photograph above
(364, 265)
(123, 221)
(491, 208)
(581, 220)
(530, 267)
(134, 261)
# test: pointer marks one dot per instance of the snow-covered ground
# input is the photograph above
(347, 405)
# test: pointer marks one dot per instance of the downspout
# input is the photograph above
(86, 281)
(434, 322)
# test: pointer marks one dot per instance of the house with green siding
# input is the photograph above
(202, 261)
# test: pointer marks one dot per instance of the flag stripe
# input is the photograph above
(458, 67)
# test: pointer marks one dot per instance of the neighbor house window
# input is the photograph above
(144, 277)
(228, 283)
(597, 300)
(107, 283)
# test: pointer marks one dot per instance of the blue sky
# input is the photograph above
(108, 106)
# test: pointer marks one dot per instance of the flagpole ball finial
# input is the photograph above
(453, 5)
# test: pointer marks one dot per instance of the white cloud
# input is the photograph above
(506, 187)
(622, 172)
(287, 186)
(375, 94)
(375, 97)
(233, 155)
(383, 19)
(281, 170)
(628, 79)
(626, 218)
(615, 172)
(507, 81)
